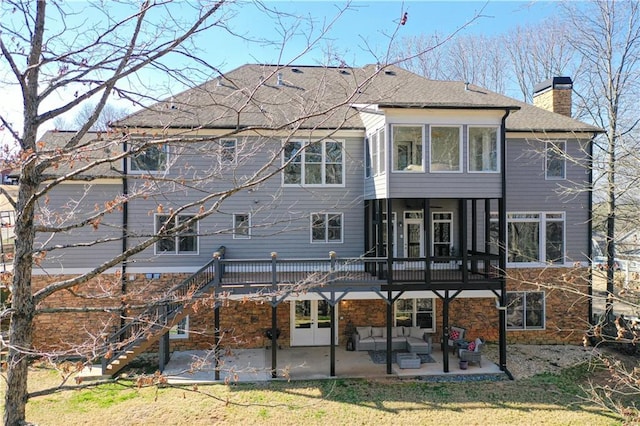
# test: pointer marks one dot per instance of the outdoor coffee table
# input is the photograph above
(408, 360)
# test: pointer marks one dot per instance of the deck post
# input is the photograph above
(445, 332)
(216, 337)
(332, 312)
(274, 317)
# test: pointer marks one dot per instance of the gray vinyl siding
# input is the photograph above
(72, 203)
(529, 191)
(280, 215)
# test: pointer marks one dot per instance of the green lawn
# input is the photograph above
(544, 399)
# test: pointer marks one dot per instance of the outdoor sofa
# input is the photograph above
(411, 339)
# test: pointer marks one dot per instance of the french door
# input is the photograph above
(311, 323)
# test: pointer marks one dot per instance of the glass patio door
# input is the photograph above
(413, 235)
(311, 323)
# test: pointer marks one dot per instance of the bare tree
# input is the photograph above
(113, 50)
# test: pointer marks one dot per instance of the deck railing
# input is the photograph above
(248, 273)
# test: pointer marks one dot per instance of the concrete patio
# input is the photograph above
(308, 363)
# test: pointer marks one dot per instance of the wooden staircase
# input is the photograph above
(151, 325)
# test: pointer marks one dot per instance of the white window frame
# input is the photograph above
(174, 332)
(498, 150)
(241, 236)
(410, 167)
(553, 149)
(375, 152)
(176, 238)
(228, 150)
(326, 228)
(460, 148)
(323, 164)
(414, 313)
(542, 219)
(368, 158)
(524, 311)
(131, 159)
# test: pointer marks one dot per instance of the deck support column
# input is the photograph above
(274, 341)
(216, 337)
(445, 332)
(163, 350)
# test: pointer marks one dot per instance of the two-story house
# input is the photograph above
(331, 198)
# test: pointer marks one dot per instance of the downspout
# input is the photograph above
(502, 262)
(590, 231)
(125, 226)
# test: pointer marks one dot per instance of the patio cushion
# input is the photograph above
(394, 332)
(376, 331)
(364, 332)
(416, 332)
(478, 343)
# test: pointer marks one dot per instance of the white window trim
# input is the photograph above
(177, 335)
(524, 313)
(460, 148)
(415, 312)
(546, 160)
(542, 236)
(368, 158)
(498, 150)
(304, 144)
(392, 149)
(221, 143)
(130, 170)
(237, 236)
(175, 253)
(326, 240)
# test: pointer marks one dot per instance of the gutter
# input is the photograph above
(590, 231)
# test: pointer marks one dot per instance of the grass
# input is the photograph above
(543, 399)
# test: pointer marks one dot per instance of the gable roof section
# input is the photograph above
(275, 97)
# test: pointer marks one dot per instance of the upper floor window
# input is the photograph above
(446, 150)
(407, 148)
(535, 237)
(184, 241)
(154, 158)
(525, 310)
(326, 227)
(375, 161)
(241, 226)
(483, 149)
(227, 151)
(415, 313)
(315, 163)
(555, 156)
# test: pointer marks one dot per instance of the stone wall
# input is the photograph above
(243, 323)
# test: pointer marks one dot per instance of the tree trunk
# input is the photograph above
(22, 306)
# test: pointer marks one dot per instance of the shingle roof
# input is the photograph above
(251, 95)
(92, 146)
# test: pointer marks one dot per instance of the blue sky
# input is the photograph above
(365, 25)
(370, 22)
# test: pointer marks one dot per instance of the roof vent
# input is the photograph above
(466, 85)
(219, 81)
(389, 72)
(296, 70)
(279, 79)
(343, 71)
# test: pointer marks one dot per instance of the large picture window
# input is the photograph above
(555, 160)
(153, 159)
(316, 163)
(483, 149)
(533, 237)
(179, 242)
(525, 310)
(446, 150)
(415, 313)
(407, 148)
(326, 228)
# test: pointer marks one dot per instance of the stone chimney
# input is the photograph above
(554, 95)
